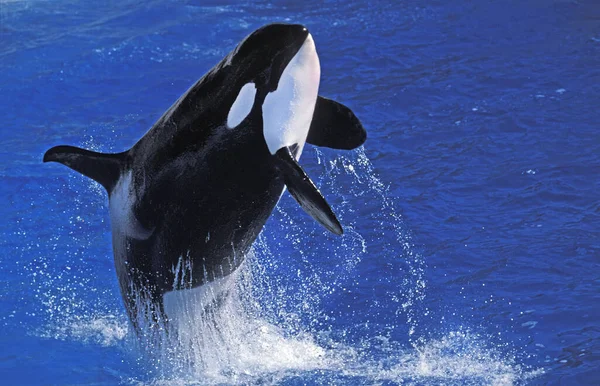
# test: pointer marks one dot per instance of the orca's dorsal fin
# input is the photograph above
(335, 125)
(305, 192)
(103, 168)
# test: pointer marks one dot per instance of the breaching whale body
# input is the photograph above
(187, 201)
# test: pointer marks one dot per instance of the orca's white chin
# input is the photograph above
(288, 111)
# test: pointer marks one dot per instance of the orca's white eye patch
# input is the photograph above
(242, 106)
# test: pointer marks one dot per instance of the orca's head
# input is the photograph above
(276, 74)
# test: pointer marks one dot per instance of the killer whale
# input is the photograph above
(187, 201)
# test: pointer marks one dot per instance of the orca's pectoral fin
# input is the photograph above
(103, 168)
(335, 125)
(305, 192)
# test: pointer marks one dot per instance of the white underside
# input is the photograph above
(288, 111)
(183, 303)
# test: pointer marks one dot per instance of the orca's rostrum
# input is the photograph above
(190, 197)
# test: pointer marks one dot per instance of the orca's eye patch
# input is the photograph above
(242, 105)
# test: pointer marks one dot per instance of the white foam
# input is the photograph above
(107, 330)
(236, 344)
(215, 335)
(288, 111)
(242, 106)
(102, 329)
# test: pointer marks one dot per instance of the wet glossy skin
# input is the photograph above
(202, 191)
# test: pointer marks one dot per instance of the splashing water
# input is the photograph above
(227, 340)
(274, 324)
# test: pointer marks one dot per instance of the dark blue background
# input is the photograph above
(472, 245)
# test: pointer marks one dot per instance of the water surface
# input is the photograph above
(472, 214)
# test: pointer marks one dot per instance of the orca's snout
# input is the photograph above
(281, 34)
(297, 34)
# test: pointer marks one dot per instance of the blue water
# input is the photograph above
(472, 214)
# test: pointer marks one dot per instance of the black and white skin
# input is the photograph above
(190, 197)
